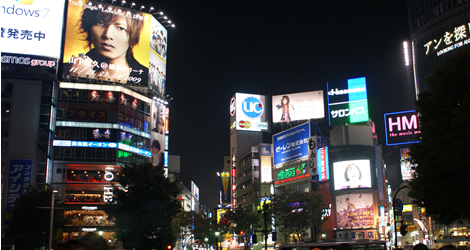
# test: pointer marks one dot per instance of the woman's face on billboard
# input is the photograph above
(111, 40)
(353, 173)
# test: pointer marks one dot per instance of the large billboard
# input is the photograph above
(32, 27)
(291, 144)
(159, 127)
(402, 127)
(110, 43)
(347, 101)
(355, 211)
(299, 106)
(249, 111)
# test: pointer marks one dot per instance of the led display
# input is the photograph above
(110, 43)
(99, 144)
(298, 106)
(352, 174)
(347, 101)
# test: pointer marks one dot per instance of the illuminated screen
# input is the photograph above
(355, 210)
(347, 101)
(352, 174)
(299, 106)
(32, 27)
(250, 112)
(110, 43)
(157, 145)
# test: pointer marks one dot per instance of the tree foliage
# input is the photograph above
(144, 207)
(296, 212)
(30, 220)
(442, 158)
(242, 220)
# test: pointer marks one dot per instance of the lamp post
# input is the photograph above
(52, 219)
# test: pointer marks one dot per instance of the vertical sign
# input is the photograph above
(312, 155)
(234, 183)
(266, 170)
(323, 167)
(19, 181)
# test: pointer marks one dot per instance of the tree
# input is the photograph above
(144, 206)
(296, 212)
(30, 221)
(243, 221)
(442, 158)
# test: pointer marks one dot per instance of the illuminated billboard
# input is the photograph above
(406, 167)
(355, 211)
(248, 112)
(298, 106)
(347, 101)
(352, 167)
(291, 144)
(402, 127)
(265, 164)
(352, 174)
(453, 38)
(32, 27)
(158, 125)
(194, 190)
(292, 173)
(110, 43)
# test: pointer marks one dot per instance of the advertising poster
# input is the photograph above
(299, 106)
(405, 164)
(32, 27)
(250, 112)
(352, 174)
(157, 144)
(347, 101)
(266, 167)
(291, 144)
(106, 42)
(355, 211)
(195, 190)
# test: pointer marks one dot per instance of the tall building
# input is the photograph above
(436, 28)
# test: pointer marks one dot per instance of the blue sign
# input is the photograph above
(291, 144)
(19, 180)
(252, 107)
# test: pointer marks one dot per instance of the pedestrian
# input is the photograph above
(420, 246)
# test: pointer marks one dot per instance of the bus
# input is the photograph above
(355, 245)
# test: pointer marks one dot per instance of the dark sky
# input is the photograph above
(273, 47)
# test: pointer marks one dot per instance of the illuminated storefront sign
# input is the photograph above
(92, 144)
(451, 40)
(402, 127)
(108, 194)
(291, 174)
(356, 235)
(291, 144)
(347, 101)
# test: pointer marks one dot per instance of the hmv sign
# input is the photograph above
(402, 127)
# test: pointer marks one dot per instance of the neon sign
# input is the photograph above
(291, 174)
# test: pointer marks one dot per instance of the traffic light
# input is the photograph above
(403, 230)
(254, 238)
(240, 232)
(466, 236)
(274, 234)
(168, 247)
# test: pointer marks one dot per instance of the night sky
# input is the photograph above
(275, 47)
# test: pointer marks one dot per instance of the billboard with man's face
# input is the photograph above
(111, 43)
(299, 106)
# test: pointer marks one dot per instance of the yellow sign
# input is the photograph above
(409, 228)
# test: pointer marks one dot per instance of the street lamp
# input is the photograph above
(52, 218)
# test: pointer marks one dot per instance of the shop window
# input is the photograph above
(88, 218)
